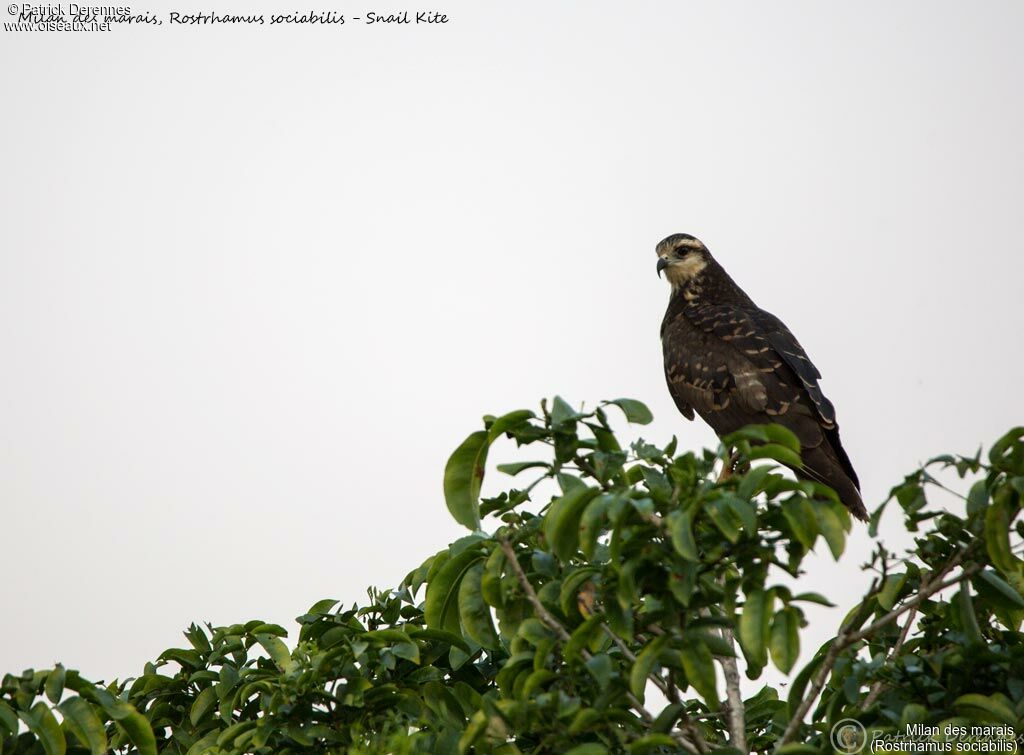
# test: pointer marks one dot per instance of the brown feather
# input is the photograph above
(737, 365)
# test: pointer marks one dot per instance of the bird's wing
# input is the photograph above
(703, 373)
(740, 365)
(782, 366)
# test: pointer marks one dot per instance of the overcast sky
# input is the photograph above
(256, 284)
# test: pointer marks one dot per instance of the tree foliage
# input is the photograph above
(608, 604)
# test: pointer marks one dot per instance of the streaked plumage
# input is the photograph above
(736, 365)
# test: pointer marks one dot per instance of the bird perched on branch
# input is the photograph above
(737, 365)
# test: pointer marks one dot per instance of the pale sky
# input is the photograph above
(256, 284)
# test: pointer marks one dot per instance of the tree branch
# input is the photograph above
(664, 687)
(736, 711)
(876, 688)
(563, 634)
(846, 639)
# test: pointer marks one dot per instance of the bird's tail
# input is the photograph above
(824, 467)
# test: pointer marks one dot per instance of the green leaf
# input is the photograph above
(771, 433)
(535, 631)
(1007, 453)
(563, 415)
(657, 483)
(600, 667)
(581, 637)
(913, 713)
(652, 743)
(699, 666)
(814, 597)
(277, 651)
(588, 748)
(635, 411)
(799, 514)
(986, 708)
(463, 476)
(204, 745)
(783, 436)
(751, 482)
(439, 635)
(776, 452)
(490, 582)
(785, 639)
(508, 422)
(754, 626)
(81, 720)
(41, 722)
(386, 636)
(231, 733)
(831, 526)
(474, 612)
(890, 591)
(606, 440)
(562, 523)
(997, 535)
(408, 650)
(272, 629)
(55, 684)
(718, 645)
(572, 584)
(592, 522)
(476, 728)
(745, 512)
(668, 717)
(968, 619)
(8, 720)
(644, 665)
(977, 497)
(441, 607)
(535, 681)
(567, 482)
(189, 659)
(513, 469)
(725, 519)
(796, 690)
(322, 606)
(1003, 592)
(680, 527)
(202, 705)
(584, 720)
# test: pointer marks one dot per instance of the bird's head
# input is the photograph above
(682, 257)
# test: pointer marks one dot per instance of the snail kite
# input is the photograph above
(736, 365)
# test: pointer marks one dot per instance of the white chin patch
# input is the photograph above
(685, 269)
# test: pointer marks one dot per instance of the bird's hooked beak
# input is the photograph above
(662, 264)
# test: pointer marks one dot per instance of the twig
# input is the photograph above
(846, 639)
(673, 691)
(968, 571)
(531, 595)
(734, 709)
(585, 466)
(816, 685)
(731, 670)
(876, 688)
(688, 726)
(563, 634)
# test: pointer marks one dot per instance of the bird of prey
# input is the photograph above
(737, 365)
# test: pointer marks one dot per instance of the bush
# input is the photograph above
(600, 621)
